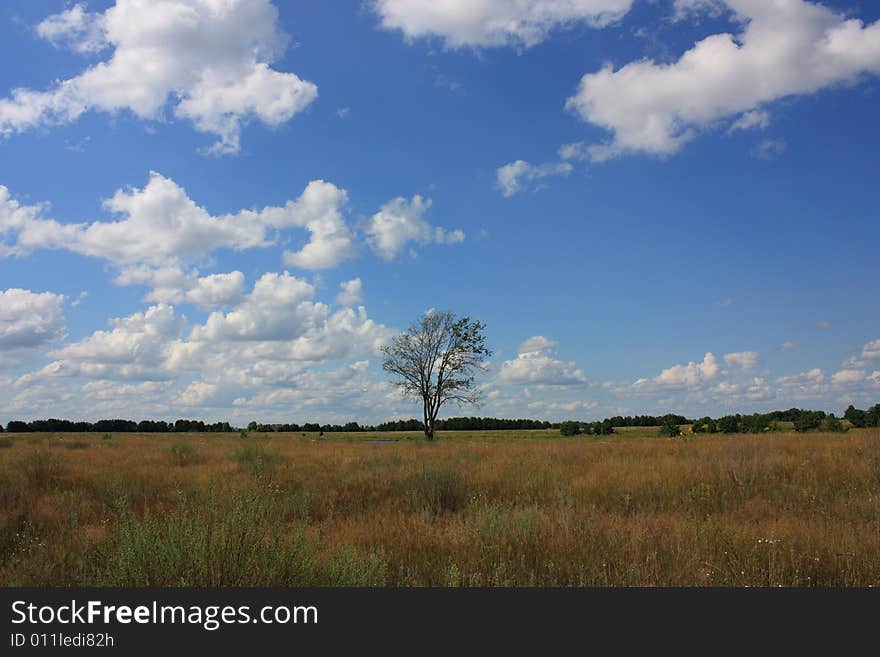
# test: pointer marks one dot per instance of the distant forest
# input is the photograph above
(799, 419)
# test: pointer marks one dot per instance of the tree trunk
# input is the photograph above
(428, 422)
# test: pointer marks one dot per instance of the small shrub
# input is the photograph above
(106, 438)
(6, 442)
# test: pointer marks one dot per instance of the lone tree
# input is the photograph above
(436, 360)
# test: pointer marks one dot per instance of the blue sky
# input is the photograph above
(221, 209)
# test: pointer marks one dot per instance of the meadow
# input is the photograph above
(505, 508)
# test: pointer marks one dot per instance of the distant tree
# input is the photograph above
(872, 417)
(807, 420)
(855, 416)
(832, 424)
(569, 428)
(755, 423)
(436, 360)
(728, 424)
(668, 427)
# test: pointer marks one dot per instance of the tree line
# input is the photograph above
(182, 426)
(799, 419)
(108, 426)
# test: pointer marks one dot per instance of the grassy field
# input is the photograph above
(472, 509)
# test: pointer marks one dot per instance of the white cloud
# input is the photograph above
(75, 29)
(690, 375)
(268, 353)
(870, 354)
(536, 364)
(746, 360)
(136, 348)
(217, 290)
(788, 346)
(206, 59)
(170, 284)
(848, 377)
(400, 222)
(806, 385)
(319, 210)
(279, 307)
(483, 23)
(786, 47)
(751, 120)
(29, 319)
(159, 230)
(510, 177)
(351, 294)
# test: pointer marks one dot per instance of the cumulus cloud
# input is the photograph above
(848, 377)
(536, 364)
(319, 210)
(806, 385)
(512, 176)
(159, 230)
(690, 375)
(400, 222)
(171, 284)
(869, 355)
(28, 320)
(279, 307)
(208, 61)
(351, 293)
(136, 348)
(75, 29)
(784, 48)
(519, 23)
(746, 360)
(272, 354)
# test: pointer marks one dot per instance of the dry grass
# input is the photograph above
(472, 509)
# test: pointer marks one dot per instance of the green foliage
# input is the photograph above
(728, 424)
(569, 428)
(669, 427)
(705, 425)
(855, 416)
(832, 424)
(808, 420)
(756, 423)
